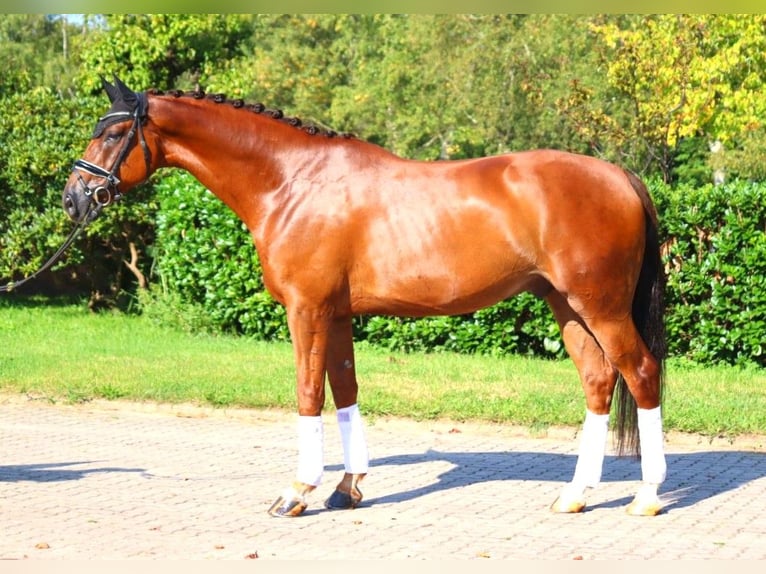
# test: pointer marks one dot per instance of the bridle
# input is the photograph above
(108, 192)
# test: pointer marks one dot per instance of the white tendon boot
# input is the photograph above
(310, 450)
(292, 502)
(653, 465)
(355, 455)
(355, 460)
(590, 462)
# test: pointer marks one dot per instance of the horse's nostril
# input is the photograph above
(70, 205)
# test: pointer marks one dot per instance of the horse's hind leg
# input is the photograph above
(625, 349)
(598, 378)
(342, 375)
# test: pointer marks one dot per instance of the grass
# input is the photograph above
(63, 352)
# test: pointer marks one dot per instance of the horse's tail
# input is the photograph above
(648, 316)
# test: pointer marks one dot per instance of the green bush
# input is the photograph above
(522, 325)
(204, 254)
(715, 254)
(36, 157)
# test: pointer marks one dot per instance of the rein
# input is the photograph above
(79, 226)
(101, 195)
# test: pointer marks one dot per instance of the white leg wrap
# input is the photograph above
(653, 466)
(590, 458)
(310, 450)
(355, 456)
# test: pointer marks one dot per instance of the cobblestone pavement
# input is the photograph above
(123, 480)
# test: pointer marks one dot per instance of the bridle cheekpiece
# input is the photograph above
(126, 104)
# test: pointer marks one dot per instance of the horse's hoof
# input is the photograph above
(562, 506)
(343, 500)
(288, 507)
(646, 502)
(571, 500)
(644, 508)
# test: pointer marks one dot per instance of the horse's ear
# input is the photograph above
(124, 90)
(110, 90)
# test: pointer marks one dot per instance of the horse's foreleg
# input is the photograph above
(356, 463)
(292, 501)
(598, 378)
(342, 375)
(309, 333)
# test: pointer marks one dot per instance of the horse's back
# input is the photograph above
(452, 237)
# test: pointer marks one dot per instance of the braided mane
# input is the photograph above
(257, 108)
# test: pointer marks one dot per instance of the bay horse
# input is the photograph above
(343, 227)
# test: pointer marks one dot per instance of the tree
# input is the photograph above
(160, 50)
(683, 76)
(32, 52)
(37, 128)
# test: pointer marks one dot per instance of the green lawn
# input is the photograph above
(65, 353)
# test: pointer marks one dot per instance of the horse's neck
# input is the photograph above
(238, 155)
(248, 159)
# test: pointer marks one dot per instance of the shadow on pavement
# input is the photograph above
(692, 477)
(54, 472)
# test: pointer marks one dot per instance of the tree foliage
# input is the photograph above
(160, 50)
(682, 76)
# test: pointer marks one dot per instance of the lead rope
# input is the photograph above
(79, 226)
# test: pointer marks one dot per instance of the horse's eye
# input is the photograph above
(113, 137)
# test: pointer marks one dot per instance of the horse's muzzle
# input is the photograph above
(77, 204)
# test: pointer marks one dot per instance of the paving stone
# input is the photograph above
(113, 480)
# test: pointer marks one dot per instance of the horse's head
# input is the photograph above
(117, 158)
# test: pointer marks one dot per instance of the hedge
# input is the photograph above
(715, 255)
(714, 246)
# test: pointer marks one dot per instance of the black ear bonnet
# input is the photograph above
(126, 104)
